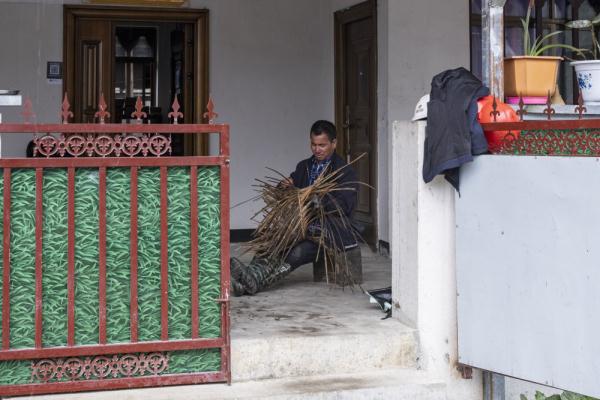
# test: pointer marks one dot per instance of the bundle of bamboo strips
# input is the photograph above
(291, 215)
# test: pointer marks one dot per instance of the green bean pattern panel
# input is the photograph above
(87, 255)
(118, 231)
(22, 257)
(118, 259)
(55, 252)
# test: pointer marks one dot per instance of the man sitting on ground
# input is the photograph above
(263, 272)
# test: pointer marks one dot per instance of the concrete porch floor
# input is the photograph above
(299, 306)
(302, 328)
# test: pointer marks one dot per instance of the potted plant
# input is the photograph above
(588, 71)
(563, 396)
(533, 75)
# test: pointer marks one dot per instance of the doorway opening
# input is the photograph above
(123, 54)
(355, 33)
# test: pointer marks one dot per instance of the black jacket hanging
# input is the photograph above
(453, 134)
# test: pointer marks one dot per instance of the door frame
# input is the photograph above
(341, 18)
(198, 17)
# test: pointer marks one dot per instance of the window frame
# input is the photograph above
(540, 23)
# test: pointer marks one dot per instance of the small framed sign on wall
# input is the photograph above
(54, 72)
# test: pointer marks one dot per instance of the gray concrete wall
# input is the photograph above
(269, 79)
(526, 257)
(31, 36)
(412, 49)
(424, 38)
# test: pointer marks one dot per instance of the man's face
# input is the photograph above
(321, 146)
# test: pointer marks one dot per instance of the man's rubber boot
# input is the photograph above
(262, 273)
(237, 269)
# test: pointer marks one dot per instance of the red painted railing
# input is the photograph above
(548, 137)
(103, 146)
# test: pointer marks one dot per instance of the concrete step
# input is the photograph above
(306, 353)
(383, 384)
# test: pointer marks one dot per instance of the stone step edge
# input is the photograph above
(398, 383)
(280, 357)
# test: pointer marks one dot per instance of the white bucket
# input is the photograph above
(588, 79)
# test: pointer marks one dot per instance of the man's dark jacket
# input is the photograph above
(344, 199)
(453, 134)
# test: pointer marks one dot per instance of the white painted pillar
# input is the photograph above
(423, 260)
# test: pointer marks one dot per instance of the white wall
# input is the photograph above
(31, 36)
(304, 34)
(269, 80)
(545, 284)
(424, 38)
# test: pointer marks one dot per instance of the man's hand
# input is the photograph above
(316, 202)
(287, 182)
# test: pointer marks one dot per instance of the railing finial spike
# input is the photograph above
(27, 113)
(580, 109)
(175, 114)
(66, 113)
(102, 114)
(521, 111)
(494, 113)
(138, 113)
(549, 111)
(210, 113)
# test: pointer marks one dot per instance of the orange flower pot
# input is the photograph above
(530, 76)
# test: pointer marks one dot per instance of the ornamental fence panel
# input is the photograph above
(114, 257)
(576, 136)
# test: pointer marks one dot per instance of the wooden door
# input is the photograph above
(88, 41)
(192, 145)
(92, 58)
(356, 103)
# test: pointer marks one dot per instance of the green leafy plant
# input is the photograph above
(588, 24)
(563, 396)
(539, 45)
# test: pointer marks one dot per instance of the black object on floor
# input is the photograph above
(383, 298)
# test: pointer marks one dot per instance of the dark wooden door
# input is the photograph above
(356, 103)
(89, 57)
(92, 68)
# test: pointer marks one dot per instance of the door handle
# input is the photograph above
(346, 125)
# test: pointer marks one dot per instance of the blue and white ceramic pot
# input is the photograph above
(588, 79)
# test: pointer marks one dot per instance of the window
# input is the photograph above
(135, 65)
(548, 16)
